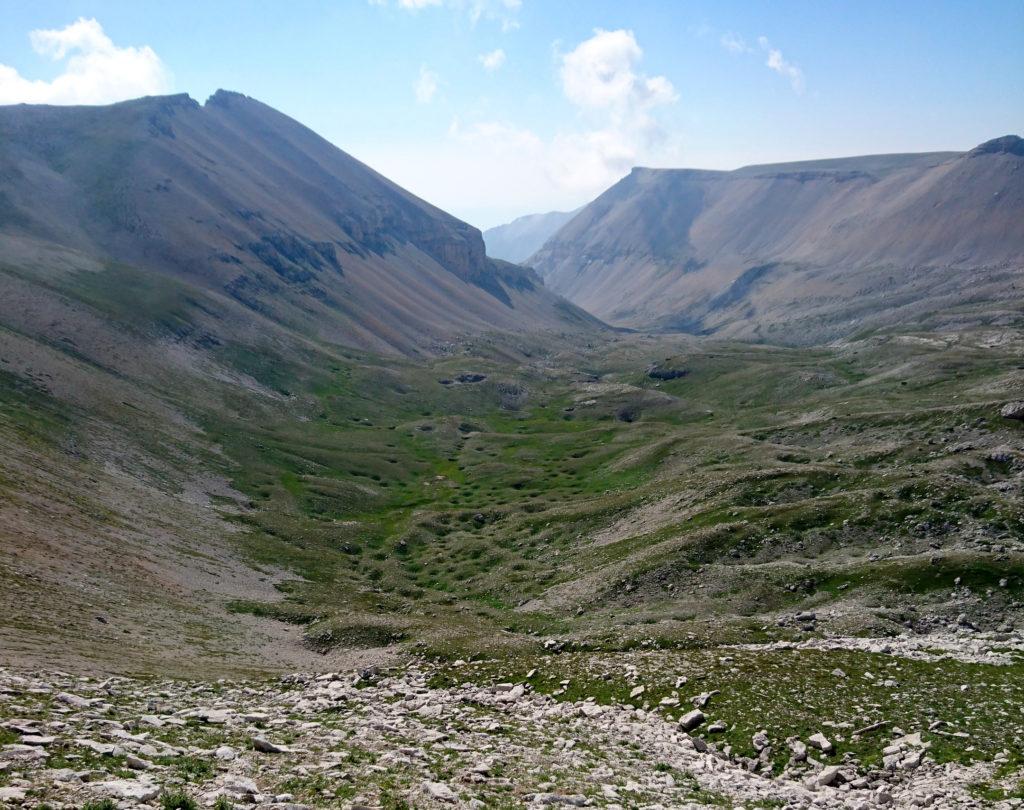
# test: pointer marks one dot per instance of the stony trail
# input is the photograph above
(390, 740)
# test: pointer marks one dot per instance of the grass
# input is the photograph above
(190, 768)
(404, 509)
(791, 693)
(177, 800)
(392, 528)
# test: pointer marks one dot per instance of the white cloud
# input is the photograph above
(600, 77)
(96, 71)
(734, 43)
(615, 131)
(489, 170)
(425, 86)
(600, 73)
(774, 60)
(493, 59)
(503, 12)
(779, 64)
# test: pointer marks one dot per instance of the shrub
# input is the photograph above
(178, 800)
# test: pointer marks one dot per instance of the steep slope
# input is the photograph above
(242, 200)
(516, 241)
(799, 252)
(171, 273)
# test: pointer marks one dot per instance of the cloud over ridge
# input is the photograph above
(96, 71)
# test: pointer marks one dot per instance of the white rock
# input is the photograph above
(103, 749)
(268, 747)
(215, 717)
(439, 791)
(72, 700)
(128, 789)
(241, 786)
(39, 740)
(137, 764)
(11, 795)
(558, 798)
(827, 776)
(821, 742)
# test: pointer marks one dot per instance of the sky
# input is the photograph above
(492, 109)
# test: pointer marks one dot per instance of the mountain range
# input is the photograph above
(800, 252)
(265, 413)
(516, 241)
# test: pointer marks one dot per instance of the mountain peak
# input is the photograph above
(240, 199)
(225, 98)
(1007, 144)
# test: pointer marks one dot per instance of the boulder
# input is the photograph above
(821, 742)
(267, 747)
(1013, 410)
(128, 789)
(827, 776)
(690, 720)
(439, 791)
(11, 795)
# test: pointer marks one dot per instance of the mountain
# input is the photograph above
(246, 203)
(519, 239)
(195, 298)
(800, 252)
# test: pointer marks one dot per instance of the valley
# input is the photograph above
(556, 515)
(306, 501)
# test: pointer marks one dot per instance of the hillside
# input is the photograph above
(167, 272)
(801, 252)
(244, 202)
(516, 241)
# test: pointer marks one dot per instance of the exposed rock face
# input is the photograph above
(800, 252)
(666, 373)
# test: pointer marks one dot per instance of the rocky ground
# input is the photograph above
(413, 736)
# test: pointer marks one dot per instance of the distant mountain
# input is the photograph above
(800, 252)
(519, 239)
(246, 202)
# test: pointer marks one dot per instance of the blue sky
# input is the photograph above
(496, 108)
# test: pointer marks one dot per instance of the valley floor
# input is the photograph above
(529, 558)
(886, 728)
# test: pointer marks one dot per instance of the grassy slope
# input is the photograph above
(567, 493)
(434, 510)
(567, 490)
